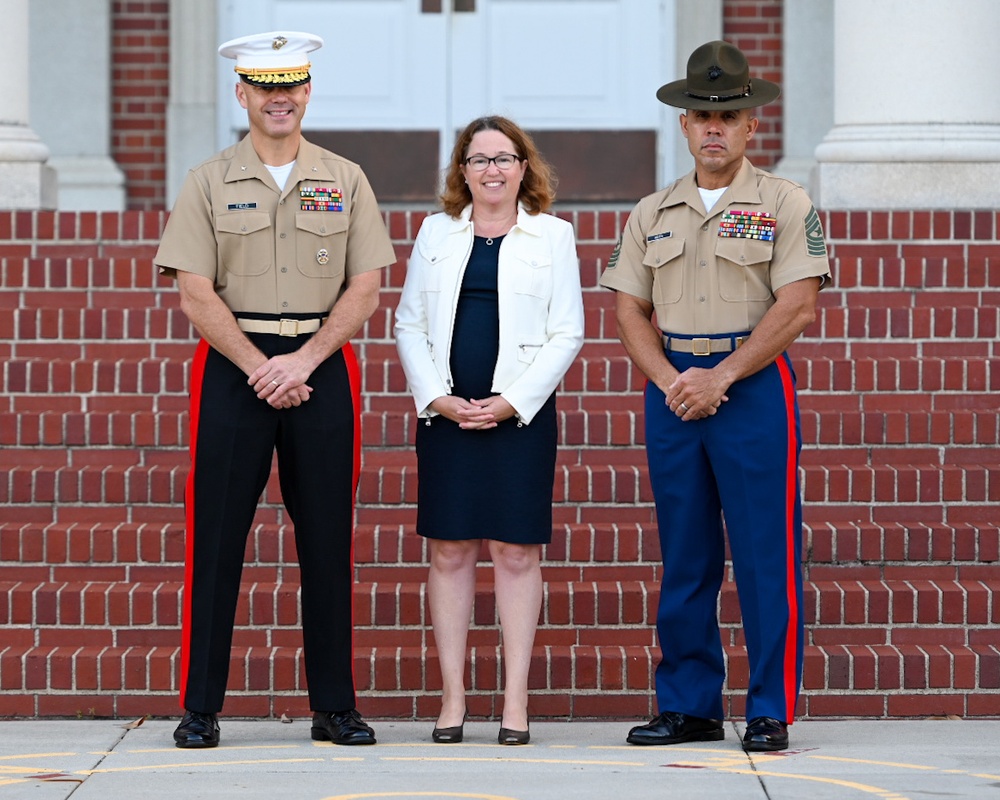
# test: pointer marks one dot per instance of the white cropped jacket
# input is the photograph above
(540, 307)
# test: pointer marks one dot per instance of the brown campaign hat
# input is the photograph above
(718, 77)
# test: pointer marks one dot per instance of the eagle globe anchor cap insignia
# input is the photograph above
(276, 58)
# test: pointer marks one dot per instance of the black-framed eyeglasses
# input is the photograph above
(503, 161)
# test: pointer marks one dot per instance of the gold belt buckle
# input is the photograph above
(288, 327)
(701, 346)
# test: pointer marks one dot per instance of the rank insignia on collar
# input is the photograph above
(737, 224)
(321, 198)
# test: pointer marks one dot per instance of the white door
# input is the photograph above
(407, 74)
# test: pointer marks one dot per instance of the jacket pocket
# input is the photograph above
(664, 259)
(533, 274)
(321, 243)
(528, 348)
(744, 269)
(245, 241)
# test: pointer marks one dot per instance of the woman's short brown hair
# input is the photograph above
(538, 188)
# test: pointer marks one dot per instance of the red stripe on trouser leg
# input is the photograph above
(197, 376)
(791, 490)
(354, 377)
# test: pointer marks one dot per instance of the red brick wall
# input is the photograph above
(140, 67)
(900, 393)
(755, 26)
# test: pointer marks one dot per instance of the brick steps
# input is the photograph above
(151, 480)
(825, 421)
(900, 375)
(574, 612)
(581, 681)
(866, 549)
(899, 381)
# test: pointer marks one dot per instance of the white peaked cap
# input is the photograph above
(278, 58)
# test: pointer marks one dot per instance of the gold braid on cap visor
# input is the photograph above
(280, 75)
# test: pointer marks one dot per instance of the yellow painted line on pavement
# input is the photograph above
(875, 763)
(35, 770)
(507, 760)
(885, 794)
(900, 765)
(35, 755)
(226, 749)
(188, 764)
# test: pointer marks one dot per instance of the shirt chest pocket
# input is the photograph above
(245, 242)
(664, 259)
(744, 269)
(533, 274)
(435, 262)
(321, 243)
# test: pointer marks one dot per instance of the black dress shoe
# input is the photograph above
(341, 727)
(765, 734)
(452, 735)
(670, 727)
(511, 736)
(197, 730)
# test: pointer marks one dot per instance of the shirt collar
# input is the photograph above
(309, 164)
(529, 223)
(743, 189)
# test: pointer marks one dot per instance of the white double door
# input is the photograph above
(433, 65)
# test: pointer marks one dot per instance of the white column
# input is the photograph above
(194, 67)
(916, 106)
(697, 22)
(71, 100)
(25, 179)
(806, 86)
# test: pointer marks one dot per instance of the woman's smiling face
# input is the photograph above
(493, 186)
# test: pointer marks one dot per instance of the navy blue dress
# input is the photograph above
(492, 484)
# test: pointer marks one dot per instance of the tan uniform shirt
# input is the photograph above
(706, 273)
(275, 252)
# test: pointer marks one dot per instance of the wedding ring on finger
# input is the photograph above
(684, 407)
(276, 383)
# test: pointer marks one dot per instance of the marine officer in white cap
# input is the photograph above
(277, 247)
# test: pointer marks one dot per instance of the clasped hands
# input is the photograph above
(474, 415)
(695, 394)
(281, 381)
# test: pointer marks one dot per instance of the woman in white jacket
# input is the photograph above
(490, 319)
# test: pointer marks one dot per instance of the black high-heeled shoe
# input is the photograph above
(452, 735)
(510, 736)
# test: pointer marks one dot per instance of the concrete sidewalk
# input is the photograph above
(107, 759)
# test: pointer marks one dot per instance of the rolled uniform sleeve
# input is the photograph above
(625, 271)
(799, 247)
(368, 245)
(189, 243)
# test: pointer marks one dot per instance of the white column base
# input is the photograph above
(89, 183)
(914, 185)
(908, 166)
(27, 185)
